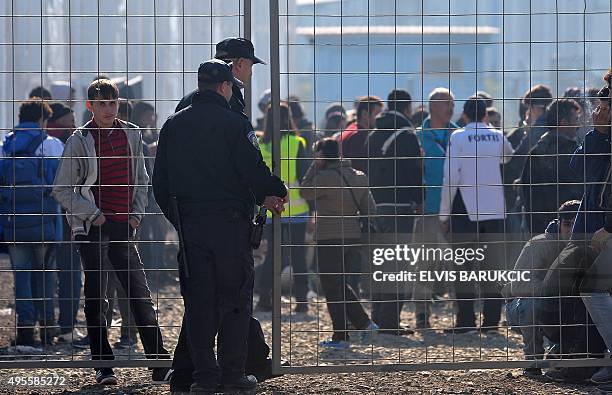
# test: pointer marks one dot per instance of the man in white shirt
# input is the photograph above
(472, 207)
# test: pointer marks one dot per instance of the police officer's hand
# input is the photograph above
(275, 204)
(100, 220)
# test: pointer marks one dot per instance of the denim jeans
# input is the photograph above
(520, 314)
(68, 262)
(599, 306)
(34, 283)
(595, 292)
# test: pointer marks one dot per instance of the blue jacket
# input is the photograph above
(592, 158)
(29, 198)
(433, 143)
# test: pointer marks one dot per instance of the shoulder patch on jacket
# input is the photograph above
(253, 139)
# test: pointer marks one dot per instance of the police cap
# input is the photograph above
(216, 70)
(236, 47)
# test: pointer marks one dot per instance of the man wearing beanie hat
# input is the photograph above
(62, 123)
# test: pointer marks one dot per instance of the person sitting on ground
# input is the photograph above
(536, 257)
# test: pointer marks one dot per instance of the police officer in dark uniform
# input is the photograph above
(209, 174)
(241, 53)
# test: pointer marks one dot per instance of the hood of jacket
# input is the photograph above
(392, 120)
(20, 138)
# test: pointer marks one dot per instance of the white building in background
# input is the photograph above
(338, 49)
(502, 47)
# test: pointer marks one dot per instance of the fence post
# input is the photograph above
(275, 88)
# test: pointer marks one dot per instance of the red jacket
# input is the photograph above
(353, 145)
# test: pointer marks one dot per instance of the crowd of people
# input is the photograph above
(538, 196)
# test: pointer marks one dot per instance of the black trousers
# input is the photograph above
(469, 234)
(387, 306)
(218, 296)
(566, 322)
(293, 253)
(115, 241)
(342, 301)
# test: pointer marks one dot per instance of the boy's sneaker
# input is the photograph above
(602, 376)
(161, 375)
(370, 332)
(335, 344)
(82, 343)
(106, 376)
(126, 343)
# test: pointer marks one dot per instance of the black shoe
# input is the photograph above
(301, 307)
(460, 330)
(106, 376)
(263, 307)
(48, 331)
(82, 343)
(422, 321)
(161, 375)
(126, 343)
(570, 375)
(180, 385)
(402, 331)
(245, 383)
(532, 372)
(25, 337)
(180, 390)
(489, 330)
(265, 302)
(202, 390)
(264, 372)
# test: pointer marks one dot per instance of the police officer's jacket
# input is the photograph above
(208, 154)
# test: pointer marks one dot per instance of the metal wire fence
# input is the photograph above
(321, 266)
(392, 70)
(151, 50)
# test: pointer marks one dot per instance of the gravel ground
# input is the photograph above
(300, 336)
